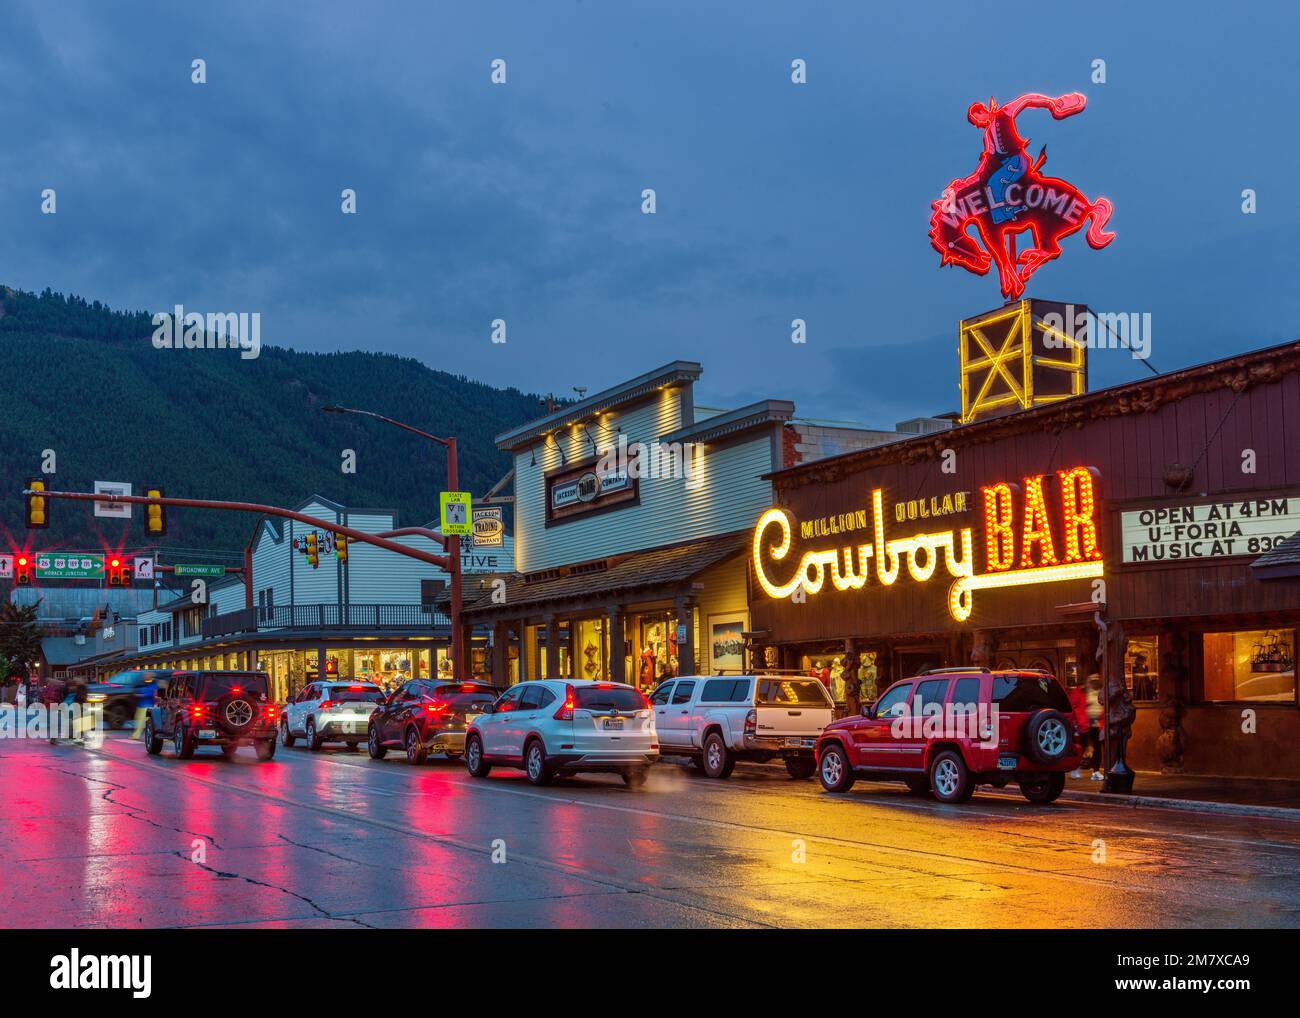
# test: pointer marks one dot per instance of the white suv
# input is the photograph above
(552, 726)
(330, 712)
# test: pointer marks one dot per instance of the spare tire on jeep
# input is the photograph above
(235, 713)
(1047, 736)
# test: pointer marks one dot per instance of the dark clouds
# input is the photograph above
(522, 202)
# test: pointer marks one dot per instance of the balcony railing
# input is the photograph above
(324, 616)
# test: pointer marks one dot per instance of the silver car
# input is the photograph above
(330, 712)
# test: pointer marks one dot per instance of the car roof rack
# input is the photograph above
(954, 671)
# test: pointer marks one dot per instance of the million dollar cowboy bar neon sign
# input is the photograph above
(1021, 543)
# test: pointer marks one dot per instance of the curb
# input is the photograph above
(1184, 805)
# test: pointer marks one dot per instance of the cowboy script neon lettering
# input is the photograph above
(1072, 528)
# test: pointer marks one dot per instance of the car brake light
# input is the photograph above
(437, 707)
(327, 704)
(751, 722)
(469, 687)
(196, 711)
(646, 700)
(565, 713)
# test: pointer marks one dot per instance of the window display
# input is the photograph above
(1141, 667)
(1249, 665)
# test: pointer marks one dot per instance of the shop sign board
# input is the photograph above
(489, 527)
(586, 488)
(1044, 529)
(1205, 530)
(454, 509)
(69, 565)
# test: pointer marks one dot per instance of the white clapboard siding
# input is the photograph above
(730, 497)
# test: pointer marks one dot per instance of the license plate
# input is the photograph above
(207, 733)
(800, 743)
(614, 724)
(1007, 762)
(349, 727)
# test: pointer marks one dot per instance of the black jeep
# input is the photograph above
(212, 708)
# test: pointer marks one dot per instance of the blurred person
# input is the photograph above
(1079, 708)
(1094, 710)
(144, 699)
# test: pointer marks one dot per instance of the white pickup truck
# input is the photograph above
(719, 719)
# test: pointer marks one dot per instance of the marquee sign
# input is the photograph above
(1028, 538)
(1009, 195)
(1223, 529)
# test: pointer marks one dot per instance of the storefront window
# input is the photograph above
(1141, 667)
(1249, 665)
(591, 650)
(658, 650)
(386, 668)
(828, 669)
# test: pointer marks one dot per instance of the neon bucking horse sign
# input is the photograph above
(1008, 195)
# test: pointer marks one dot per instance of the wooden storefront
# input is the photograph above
(1195, 475)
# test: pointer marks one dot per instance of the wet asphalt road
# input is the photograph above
(114, 838)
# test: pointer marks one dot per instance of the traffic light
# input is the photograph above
(341, 548)
(155, 516)
(22, 571)
(119, 572)
(313, 549)
(36, 514)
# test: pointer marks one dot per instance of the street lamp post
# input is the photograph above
(453, 541)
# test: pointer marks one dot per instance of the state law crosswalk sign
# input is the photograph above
(455, 510)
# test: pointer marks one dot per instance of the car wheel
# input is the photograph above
(634, 778)
(152, 740)
(313, 740)
(950, 781)
(918, 786)
(718, 761)
(1043, 787)
(538, 770)
(287, 738)
(1048, 736)
(376, 748)
(833, 769)
(474, 762)
(265, 749)
(415, 751)
(183, 744)
(800, 767)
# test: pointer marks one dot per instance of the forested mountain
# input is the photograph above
(87, 382)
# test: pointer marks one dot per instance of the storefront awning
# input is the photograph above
(1280, 562)
(642, 575)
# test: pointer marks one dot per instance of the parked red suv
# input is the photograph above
(947, 730)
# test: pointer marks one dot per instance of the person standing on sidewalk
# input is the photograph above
(1094, 709)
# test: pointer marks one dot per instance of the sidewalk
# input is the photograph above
(1243, 796)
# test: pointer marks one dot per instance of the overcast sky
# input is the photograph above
(522, 201)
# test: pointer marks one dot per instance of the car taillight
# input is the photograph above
(269, 709)
(196, 711)
(565, 713)
(437, 707)
(751, 722)
(645, 700)
(327, 704)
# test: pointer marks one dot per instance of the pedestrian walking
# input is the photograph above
(144, 699)
(1094, 709)
(1079, 708)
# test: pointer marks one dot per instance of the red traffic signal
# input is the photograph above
(22, 570)
(119, 572)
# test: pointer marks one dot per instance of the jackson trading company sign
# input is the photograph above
(1008, 195)
(1222, 529)
(1043, 530)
